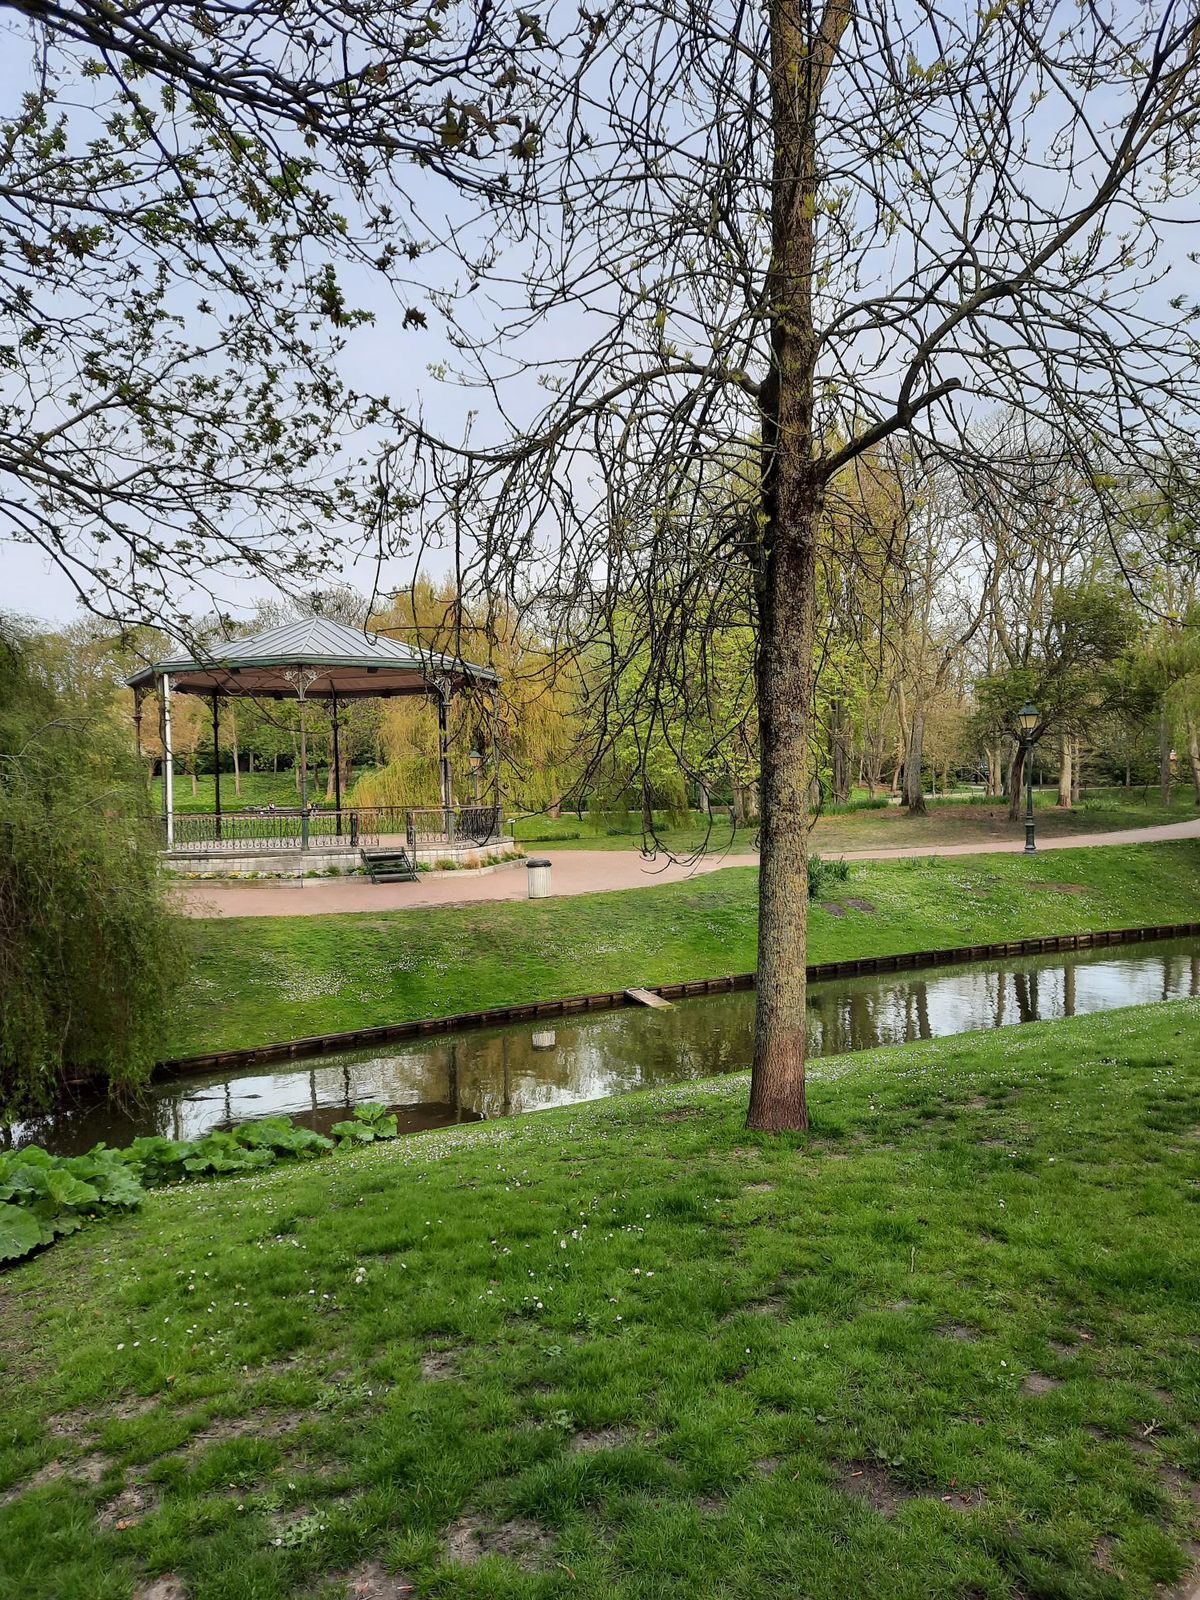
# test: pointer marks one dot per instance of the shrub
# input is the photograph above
(821, 873)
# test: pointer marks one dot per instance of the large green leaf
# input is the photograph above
(19, 1233)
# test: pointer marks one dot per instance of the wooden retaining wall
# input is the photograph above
(319, 1044)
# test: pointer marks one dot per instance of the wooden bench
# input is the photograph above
(389, 865)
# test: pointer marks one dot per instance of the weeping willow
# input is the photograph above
(89, 953)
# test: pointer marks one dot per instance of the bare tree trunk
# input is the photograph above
(1076, 769)
(1016, 780)
(914, 787)
(1193, 743)
(777, 1091)
(994, 780)
(702, 796)
(839, 753)
(1064, 770)
(792, 496)
(233, 740)
(1164, 757)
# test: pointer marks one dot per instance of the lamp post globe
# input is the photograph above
(1027, 720)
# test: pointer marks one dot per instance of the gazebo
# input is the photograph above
(316, 658)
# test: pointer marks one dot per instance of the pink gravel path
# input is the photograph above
(574, 872)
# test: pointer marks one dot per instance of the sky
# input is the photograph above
(381, 357)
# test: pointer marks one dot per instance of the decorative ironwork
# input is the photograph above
(283, 828)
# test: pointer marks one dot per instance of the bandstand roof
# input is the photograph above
(347, 662)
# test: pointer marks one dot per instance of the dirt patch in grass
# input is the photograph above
(439, 1365)
(958, 1331)
(766, 1465)
(126, 1509)
(255, 1424)
(168, 1587)
(1039, 1383)
(592, 1439)
(1180, 1485)
(867, 906)
(1060, 888)
(371, 1582)
(867, 1481)
(710, 1505)
(88, 1470)
(760, 1188)
(472, 1538)
(834, 907)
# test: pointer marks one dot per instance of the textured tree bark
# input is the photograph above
(1193, 740)
(1076, 768)
(1064, 771)
(1164, 757)
(914, 786)
(1016, 783)
(793, 492)
(839, 752)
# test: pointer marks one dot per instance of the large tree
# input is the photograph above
(810, 229)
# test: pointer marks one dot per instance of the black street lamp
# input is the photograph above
(1027, 717)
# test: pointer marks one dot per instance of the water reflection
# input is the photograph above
(438, 1081)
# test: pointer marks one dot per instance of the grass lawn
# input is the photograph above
(263, 979)
(258, 789)
(951, 821)
(944, 1346)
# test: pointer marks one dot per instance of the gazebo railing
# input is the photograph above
(287, 828)
(430, 826)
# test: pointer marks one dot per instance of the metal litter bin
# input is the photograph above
(539, 879)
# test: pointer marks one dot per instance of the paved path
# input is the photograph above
(574, 872)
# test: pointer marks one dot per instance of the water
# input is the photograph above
(465, 1077)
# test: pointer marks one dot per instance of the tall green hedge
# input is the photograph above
(89, 951)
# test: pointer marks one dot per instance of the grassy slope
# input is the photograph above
(278, 978)
(945, 1346)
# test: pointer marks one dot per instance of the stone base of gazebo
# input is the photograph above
(330, 858)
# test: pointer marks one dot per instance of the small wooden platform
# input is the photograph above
(647, 997)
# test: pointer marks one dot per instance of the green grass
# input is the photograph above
(263, 979)
(258, 789)
(944, 1346)
(956, 818)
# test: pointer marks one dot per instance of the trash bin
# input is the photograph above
(539, 879)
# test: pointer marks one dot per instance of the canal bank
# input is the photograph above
(442, 1075)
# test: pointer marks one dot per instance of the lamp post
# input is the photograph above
(1027, 718)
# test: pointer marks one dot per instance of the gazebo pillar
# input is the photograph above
(216, 721)
(442, 688)
(168, 761)
(337, 768)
